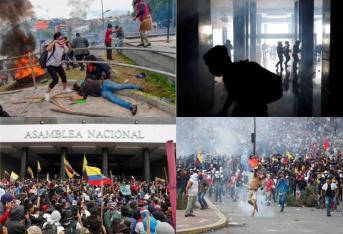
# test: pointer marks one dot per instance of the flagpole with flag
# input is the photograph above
(38, 170)
(85, 163)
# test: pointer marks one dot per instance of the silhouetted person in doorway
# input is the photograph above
(279, 50)
(286, 52)
(229, 47)
(249, 85)
(296, 51)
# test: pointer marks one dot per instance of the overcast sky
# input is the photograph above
(60, 8)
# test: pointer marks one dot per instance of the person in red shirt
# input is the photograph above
(268, 187)
(108, 40)
(143, 13)
(5, 208)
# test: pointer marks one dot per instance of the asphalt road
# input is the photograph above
(271, 220)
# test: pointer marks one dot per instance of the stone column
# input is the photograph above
(146, 157)
(63, 155)
(24, 154)
(105, 161)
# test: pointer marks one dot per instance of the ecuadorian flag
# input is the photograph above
(95, 178)
(84, 174)
(69, 170)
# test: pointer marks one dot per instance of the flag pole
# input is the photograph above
(102, 199)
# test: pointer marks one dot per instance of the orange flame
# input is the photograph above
(27, 72)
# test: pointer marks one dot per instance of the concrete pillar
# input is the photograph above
(332, 82)
(296, 20)
(24, 154)
(105, 161)
(146, 156)
(63, 155)
(306, 11)
(253, 30)
(246, 27)
(239, 29)
(194, 20)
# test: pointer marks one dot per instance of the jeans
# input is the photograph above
(282, 197)
(327, 204)
(201, 199)
(218, 192)
(108, 87)
(190, 204)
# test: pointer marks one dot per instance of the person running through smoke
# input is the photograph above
(191, 193)
(254, 185)
(282, 186)
(279, 50)
(143, 13)
(56, 49)
(249, 85)
(286, 52)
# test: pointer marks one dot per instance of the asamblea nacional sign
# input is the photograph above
(88, 133)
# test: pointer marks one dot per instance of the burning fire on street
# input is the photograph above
(27, 72)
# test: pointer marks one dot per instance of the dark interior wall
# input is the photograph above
(9, 164)
(157, 168)
(195, 85)
(332, 79)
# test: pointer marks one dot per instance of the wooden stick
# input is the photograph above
(78, 113)
(10, 92)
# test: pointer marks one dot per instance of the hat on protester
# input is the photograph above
(7, 197)
(55, 216)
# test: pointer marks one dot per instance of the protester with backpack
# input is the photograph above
(80, 42)
(55, 51)
(249, 85)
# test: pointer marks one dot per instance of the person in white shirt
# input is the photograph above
(56, 49)
(54, 220)
(328, 192)
(192, 189)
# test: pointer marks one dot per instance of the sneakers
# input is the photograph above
(133, 109)
(68, 90)
(47, 97)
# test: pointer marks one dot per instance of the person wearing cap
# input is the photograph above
(5, 208)
(254, 185)
(282, 186)
(328, 191)
(191, 192)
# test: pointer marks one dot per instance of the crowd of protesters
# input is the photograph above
(72, 206)
(291, 155)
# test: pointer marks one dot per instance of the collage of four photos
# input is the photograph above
(171, 116)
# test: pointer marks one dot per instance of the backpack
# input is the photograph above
(49, 229)
(268, 83)
(71, 228)
(44, 57)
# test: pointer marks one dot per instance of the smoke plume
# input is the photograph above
(79, 8)
(15, 41)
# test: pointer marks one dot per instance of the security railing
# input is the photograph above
(31, 65)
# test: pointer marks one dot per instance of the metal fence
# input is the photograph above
(32, 65)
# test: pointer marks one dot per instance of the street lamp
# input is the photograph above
(103, 19)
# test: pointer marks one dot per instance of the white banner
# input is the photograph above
(126, 133)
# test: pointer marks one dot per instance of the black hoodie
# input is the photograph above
(14, 226)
